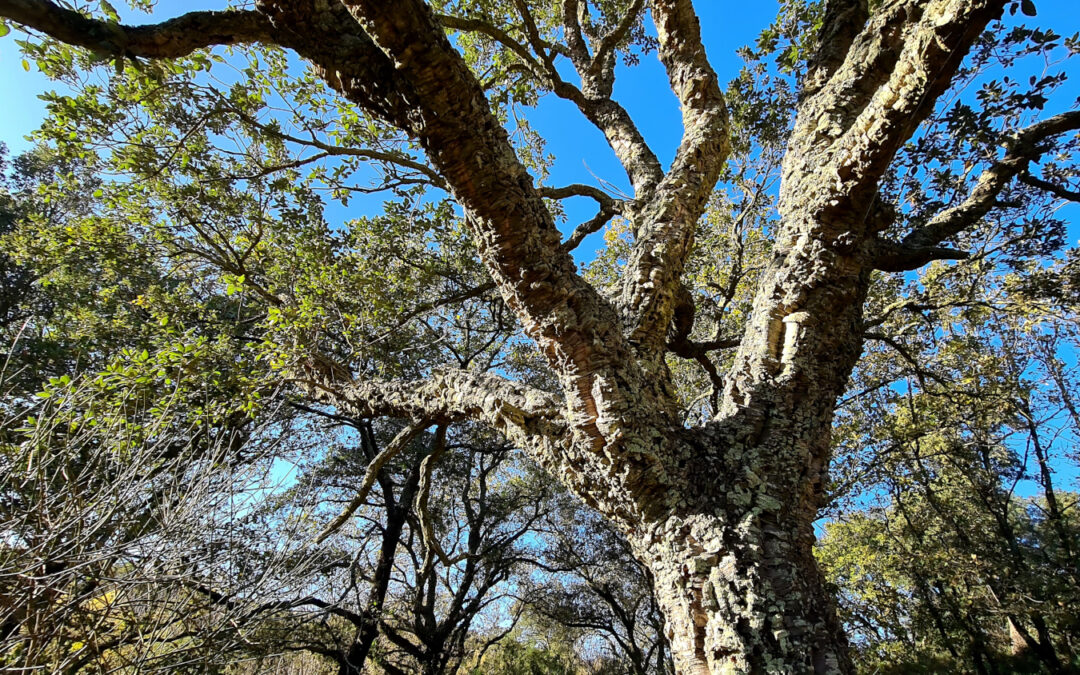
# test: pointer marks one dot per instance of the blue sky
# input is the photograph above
(658, 117)
(577, 145)
(581, 153)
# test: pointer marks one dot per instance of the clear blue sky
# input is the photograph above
(579, 148)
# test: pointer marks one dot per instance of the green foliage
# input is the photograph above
(935, 582)
(513, 657)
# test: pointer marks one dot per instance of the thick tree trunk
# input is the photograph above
(733, 562)
(745, 597)
(733, 559)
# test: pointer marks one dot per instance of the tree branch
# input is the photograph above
(603, 58)
(891, 256)
(578, 50)
(170, 39)
(1021, 149)
(474, 25)
(445, 396)
(848, 131)
(432, 548)
(343, 54)
(574, 326)
(594, 224)
(399, 443)
(1053, 188)
(609, 208)
(593, 99)
(577, 190)
(665, 229)
(807, 311)
(394, 158)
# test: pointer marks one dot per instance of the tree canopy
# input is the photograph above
(312, 360)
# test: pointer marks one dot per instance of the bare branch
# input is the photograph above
(432, 548)
(1053, 188)
(890, 256)
(576, 190)
(609, 208)
(395, 158)
(594, 224)
(399, 443)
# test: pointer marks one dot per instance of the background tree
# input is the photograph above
(962, 555)
(595, 589)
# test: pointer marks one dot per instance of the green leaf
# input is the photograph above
(1027, 7)
(4, 29)
(26, 65)
(109, 11)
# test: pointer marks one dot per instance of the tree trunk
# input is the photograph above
(397, 513)
(741, 591)
(733, 558)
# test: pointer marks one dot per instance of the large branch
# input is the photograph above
(664, 230)
(531, 419)
(343, 54)
(170, 39)
(805, 330)
(848, 131)
(578, 331)
(622, 135)
(704, 145)
(1022, 148)
(594, 98)
(443, 397)
(841, 24)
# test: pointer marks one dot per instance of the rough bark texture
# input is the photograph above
(721, 514)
